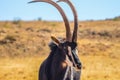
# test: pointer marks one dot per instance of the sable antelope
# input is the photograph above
(61, 63)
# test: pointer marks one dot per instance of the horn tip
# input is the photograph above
(59, 1)
(32, 1)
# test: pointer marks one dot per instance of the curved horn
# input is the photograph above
(74, 37)
(68, 33)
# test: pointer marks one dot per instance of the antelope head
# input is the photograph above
(70, 42)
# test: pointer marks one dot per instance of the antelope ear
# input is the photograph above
(55, 40)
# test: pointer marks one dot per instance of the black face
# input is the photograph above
(66, 48)
(63, 46)
(62, 49)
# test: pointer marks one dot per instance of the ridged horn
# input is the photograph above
(74, 37)
(67, 26)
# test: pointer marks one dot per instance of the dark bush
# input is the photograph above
(8, 39)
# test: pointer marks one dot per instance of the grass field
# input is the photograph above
(24, 45)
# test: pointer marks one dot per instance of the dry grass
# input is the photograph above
(24, 45)
(20, 68)
(100, 68)
(94, 68)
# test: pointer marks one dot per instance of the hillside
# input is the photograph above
(24, 45)
(32, 38)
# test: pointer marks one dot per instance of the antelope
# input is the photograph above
(62, 62)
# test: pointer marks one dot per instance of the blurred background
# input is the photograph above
(25, 31)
